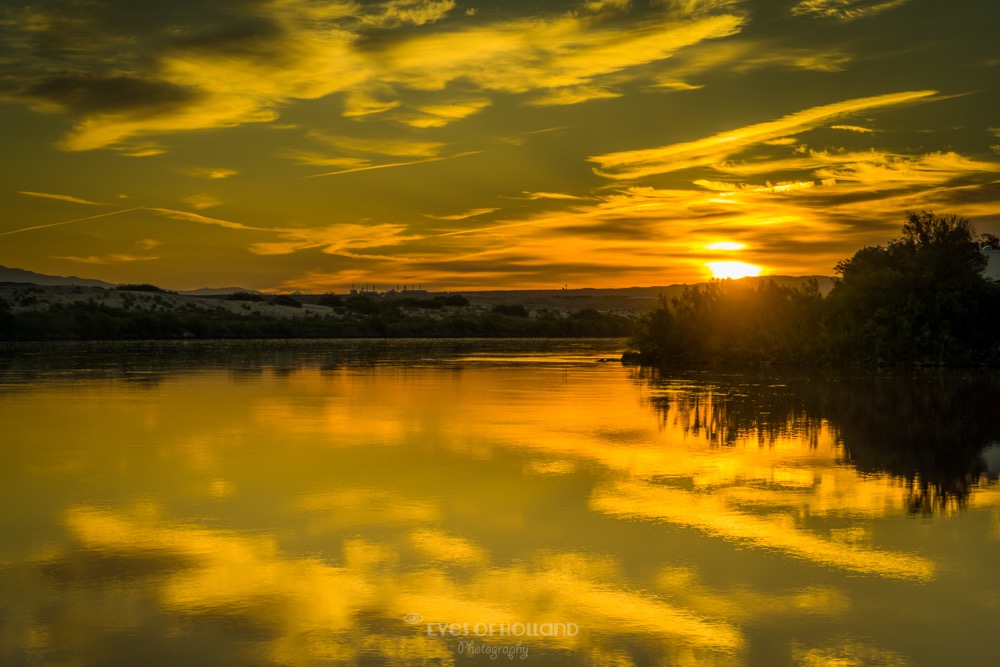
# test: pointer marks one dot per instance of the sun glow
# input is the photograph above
(733, 269)
(725, 245)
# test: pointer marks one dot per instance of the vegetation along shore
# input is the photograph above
(147, 312)
(921, 299)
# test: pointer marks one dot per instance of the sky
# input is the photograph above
(461, 145)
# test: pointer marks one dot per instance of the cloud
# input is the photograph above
(642, 163)
(767, 165)
(415, 12)
(66, 222)
(92, 94)
(185, 216)
(877, 171)
(124, 78)
(360, 103)
(670, 83)
(540, 54)
(213, 173)
(390, 165)
(105, 259)
(464, 215)
(533, 196)
(238, 69)
(853, 128)
(66, 198)
(439, 115)
(396, 147)
(321, 160)
(870, 168)
(334, 239)
(777, 188)
(743, 55)
(141, 150)
(844, 10)
(600, 6)
(574, 95)
(203, 201)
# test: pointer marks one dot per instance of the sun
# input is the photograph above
(733, 269)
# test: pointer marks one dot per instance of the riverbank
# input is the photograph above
(143, 312)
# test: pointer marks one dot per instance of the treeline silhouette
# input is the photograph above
(920, 299)
(353, 317)
(919, 426)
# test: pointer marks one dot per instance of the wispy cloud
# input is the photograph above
(465, 215)
(534, 196)
(781, 187)
(66, 198)
(439, 115)
(141, 150)
(106, 259)
(203, 201)
(844, 10)
(599, 6)
(213, 173)
(669, 82)
(314, 159)
(334, 239)
(186, 216)
(745, 54)
(331, 239)
(575, 95)
(382, 146)
(414, 12)
(882, 170)
(642, 163)
(528, 55)
(66, 222)
(390, 165)
(871, 168)
(853, 128)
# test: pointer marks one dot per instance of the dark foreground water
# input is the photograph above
(487, 502)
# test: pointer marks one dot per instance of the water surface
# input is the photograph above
(467, 502)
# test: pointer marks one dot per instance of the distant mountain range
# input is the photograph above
(9, 275)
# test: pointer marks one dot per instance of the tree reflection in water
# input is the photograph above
(928, 429)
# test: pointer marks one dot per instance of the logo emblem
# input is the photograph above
(413, 619)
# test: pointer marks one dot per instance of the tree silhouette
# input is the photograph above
(921, 298)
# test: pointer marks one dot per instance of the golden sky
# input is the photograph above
(312, 144)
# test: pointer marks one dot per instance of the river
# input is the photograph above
(459, 502)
